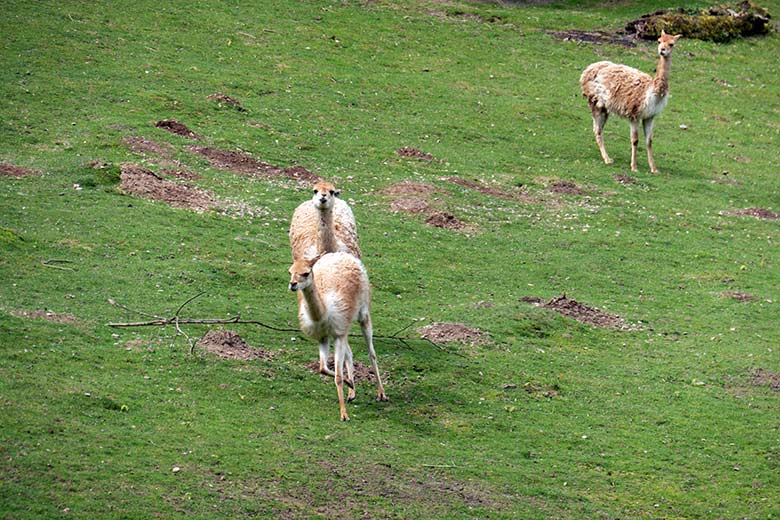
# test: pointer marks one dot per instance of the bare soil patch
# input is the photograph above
(585, 314)
(624, 179)
(753, 212)
(243, 163)
(565, 187)
(10, 170)
(65, 319)
(540, 390)
(597, 37)
(229, 345)
(736, 295)
(181, 174)
(142, 146)
(454, 332)
(445, 220)
(175, 127)
(224, 99)
(493, 192)
(414, 153)
(409, 188)
(412, 205)
(762, 377)
(139, 181)
(361, 373)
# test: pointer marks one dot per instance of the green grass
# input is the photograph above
(657, 422)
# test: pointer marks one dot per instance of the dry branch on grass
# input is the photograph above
(177, 321)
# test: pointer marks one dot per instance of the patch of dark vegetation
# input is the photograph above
(53, 317)
(11, 170)
(142, 146)
(175, 127)
(414, 153)
(736, 295)
(454, 332)
(141, 182)
(597, 37)
(361, 373)
(493, 192)
(443, 219)
(585, 314)
(565, 187)
(753, 212)
(721, 23)
(624, 179)
(224, 99)
(461, 15)
(243, 163)
(229, 345)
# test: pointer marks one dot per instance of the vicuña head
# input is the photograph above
(324, 195)
(300, 274)
(666, 43)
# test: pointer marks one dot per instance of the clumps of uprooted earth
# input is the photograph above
(721, 23)
(583, 313)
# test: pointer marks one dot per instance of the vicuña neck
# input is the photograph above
(661, 81)
(313, 302)
(326, 238)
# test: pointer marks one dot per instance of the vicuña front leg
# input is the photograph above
(634, 142)
(647, 125)
(324, 352)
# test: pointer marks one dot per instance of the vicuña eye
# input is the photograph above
(304, 275)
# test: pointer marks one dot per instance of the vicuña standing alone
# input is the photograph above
(324, 224)
(629, 93)
(333, 292)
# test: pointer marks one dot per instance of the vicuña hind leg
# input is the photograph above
(599, 120)
(647, 125)
(349, 365)
(338, 356)
(368, 335)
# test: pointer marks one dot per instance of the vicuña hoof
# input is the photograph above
(382, 398)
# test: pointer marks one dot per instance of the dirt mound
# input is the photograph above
(442, 219)
(624, 179)
(412, 205)
(243, 163)
(142, 146)
(487, 190)
(10, 170)
(139, 181)
(361, 373)
(175, 127)
(597, 37)
(65, 319)
(229, 345)
(736, 295)
(224, 99)
(414, 153)
(584, 314)
(565, 187)
(768, 378)
(409, 188)
(454, 332)
(753, 212)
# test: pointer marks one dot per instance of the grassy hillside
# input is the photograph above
(671, 414)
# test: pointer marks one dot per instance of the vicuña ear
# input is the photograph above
(677, 37)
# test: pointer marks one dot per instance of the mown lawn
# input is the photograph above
(671, 412)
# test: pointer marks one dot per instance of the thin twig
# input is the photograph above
(52, 261)
(140, 313)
